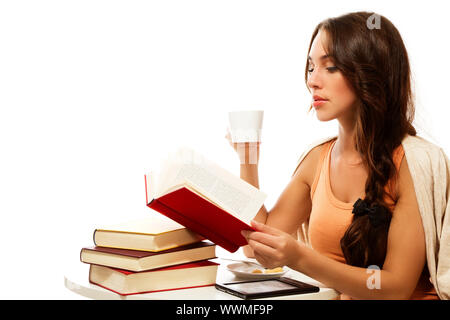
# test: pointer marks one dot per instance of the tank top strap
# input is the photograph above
(323, 154)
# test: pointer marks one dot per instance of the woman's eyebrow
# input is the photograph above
(325, 56)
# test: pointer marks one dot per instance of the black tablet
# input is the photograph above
(266, 288)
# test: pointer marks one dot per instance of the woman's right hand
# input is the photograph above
(248, 152)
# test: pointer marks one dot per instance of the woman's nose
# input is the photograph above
(314, 80)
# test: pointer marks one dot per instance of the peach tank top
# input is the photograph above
(331, 217)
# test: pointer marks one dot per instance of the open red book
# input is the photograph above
(205, 198)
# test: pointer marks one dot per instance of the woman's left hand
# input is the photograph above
(272, 247)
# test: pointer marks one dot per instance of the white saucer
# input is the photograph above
(244, 270)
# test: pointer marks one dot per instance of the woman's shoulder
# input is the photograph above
(419, 145)
(310, 159)
(313, 148)
(423, 154)
(423, 161)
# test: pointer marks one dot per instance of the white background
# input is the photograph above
(93, 93)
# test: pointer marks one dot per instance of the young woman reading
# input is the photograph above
(355, 191)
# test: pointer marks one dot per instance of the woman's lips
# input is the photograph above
(317, 103)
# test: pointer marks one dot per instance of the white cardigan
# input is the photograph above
(430, 170)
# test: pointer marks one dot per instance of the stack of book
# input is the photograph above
(193, 199)
(148, 255)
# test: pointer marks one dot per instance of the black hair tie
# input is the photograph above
(378, 215)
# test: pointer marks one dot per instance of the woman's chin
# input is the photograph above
(324, 117)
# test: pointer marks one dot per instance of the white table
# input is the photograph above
(77, 280)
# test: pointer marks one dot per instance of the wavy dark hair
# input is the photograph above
(375, 63)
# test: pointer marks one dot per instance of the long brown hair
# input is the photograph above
(375, 63)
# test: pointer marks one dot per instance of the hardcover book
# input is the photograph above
(204, 197)
(190, 275)
(134, 260)
(153, 233)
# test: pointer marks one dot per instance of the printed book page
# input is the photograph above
(221, 187)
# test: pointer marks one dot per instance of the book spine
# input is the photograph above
(190, 224)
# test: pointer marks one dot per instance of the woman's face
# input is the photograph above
(333, 98)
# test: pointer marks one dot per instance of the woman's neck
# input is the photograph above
(344, 148)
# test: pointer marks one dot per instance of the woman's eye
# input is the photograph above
(329, 69)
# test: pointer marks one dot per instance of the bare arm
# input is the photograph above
(294, 204)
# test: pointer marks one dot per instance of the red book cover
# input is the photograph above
(197, 264)
(205, 218)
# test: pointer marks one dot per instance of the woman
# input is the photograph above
(355, 191)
